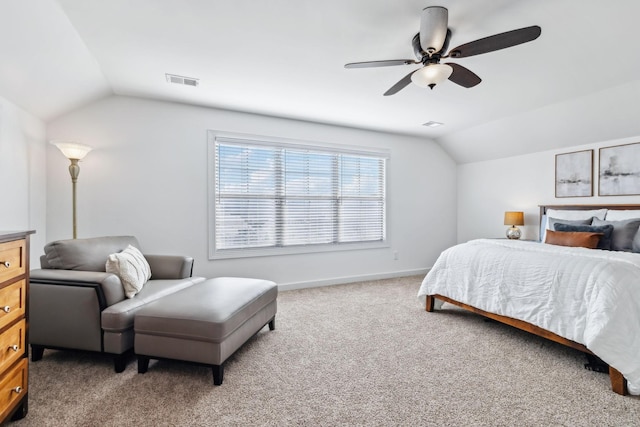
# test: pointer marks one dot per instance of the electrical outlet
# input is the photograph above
(395, 255)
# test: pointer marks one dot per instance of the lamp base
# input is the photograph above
(513, 233)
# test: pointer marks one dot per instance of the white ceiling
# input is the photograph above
(578, 83)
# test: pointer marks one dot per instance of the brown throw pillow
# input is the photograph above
(581, 239)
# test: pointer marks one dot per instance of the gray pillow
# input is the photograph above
(625, 234)
(606, 230)
(552, 221)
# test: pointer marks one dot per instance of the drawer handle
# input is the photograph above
(6, 309)
(14, 347)
(6, 264)
(17, 389)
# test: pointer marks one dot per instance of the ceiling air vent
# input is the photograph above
(182, 80)
(432, 124)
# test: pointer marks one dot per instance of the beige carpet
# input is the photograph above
(358, 354)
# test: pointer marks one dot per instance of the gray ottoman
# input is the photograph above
(205, 323)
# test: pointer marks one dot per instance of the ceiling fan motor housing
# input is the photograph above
(433, 28)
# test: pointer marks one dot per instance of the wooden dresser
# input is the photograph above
(14, 285)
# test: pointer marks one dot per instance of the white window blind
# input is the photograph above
(277, 195)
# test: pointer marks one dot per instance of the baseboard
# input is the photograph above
(350, 279)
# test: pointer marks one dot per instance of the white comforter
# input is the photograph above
(585, 295)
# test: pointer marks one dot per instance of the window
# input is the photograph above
(280, 197)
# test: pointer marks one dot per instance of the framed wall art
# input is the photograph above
(619, 171)
(574, 174)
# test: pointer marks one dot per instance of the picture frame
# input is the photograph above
(619, 170)
(574, 174)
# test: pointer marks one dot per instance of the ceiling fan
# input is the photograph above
(430, 46)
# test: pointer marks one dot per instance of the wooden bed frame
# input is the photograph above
(618, 382)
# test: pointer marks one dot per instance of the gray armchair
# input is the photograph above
(75, 304)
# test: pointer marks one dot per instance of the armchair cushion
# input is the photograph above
(119, 317)
(85, 254)
(132, 269)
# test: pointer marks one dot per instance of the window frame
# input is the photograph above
(214, 253)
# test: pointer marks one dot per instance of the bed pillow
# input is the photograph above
(606, 230)
(576, 214)
(625, 234)
(568, 214)
(543, 228)
(131, 267)
(620, 215)
(580, 239)
(551, 222)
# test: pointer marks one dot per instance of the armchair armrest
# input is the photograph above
(108, 286)
(170, 266)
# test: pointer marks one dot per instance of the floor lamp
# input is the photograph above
(75, 152)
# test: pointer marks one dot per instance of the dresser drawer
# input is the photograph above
(12, 259)
(12, 344)
(13, 386)
(12, 302)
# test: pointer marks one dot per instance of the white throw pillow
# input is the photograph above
(131, 267)
(621, 215)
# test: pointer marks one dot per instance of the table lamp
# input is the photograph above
(513, 219)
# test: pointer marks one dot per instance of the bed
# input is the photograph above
(587, 299)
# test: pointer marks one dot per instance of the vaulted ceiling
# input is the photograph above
(576, 84)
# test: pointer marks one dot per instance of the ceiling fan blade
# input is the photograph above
(463, 76)
(387, 63)
(404, 82)
(433, 28)
(496, 42)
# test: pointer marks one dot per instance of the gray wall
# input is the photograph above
(147, 176)
(487, 189)
(22, 174)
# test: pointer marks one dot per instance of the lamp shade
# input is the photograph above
(432, 74)
(514, 218)
(72, 150)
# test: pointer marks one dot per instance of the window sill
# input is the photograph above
(294, 250)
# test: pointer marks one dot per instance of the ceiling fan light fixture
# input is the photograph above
(432, 74)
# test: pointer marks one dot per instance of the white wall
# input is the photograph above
(487, 189)
(22, 174)
(147, 176)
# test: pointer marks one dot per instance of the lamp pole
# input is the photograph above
(74, 170)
